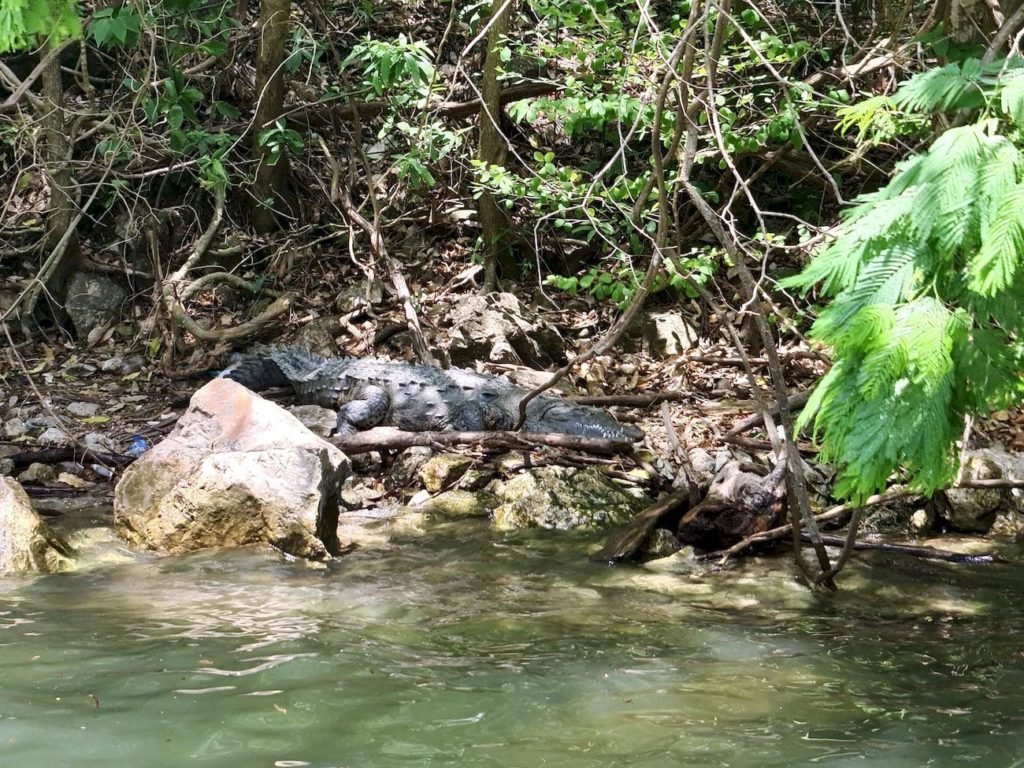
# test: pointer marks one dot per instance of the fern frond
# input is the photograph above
(884, 281)
(872, 115)
(927, 323)
(867, 231)
(954, 86)
(1011, 96)
(993, 268)
(948, 188)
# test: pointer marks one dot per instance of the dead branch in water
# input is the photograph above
(782, 531)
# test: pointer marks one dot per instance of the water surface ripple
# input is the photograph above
(470, 648)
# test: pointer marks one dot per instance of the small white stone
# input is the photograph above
(83, 409)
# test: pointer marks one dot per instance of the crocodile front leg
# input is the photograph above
(367, 411)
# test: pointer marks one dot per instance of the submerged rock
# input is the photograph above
(26, 543)
(237, 469)
(458, 504)
(564, 498)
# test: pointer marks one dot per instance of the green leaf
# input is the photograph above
(224, 109)
(175, 116)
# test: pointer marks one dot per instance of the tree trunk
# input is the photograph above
(493, 221)
(55, 152)
(270, 184)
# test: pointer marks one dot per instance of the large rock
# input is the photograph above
(497, 328)
(91, 301)
(669, 333)
(973, 510)
(26, 542)
(998, 511)
(237, 469)
(564, 498)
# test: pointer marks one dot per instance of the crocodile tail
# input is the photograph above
(273, 367)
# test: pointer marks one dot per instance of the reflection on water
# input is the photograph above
(469, 648)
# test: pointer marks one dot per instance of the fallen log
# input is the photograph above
(737, 505)
(395, 439)
(322, 114)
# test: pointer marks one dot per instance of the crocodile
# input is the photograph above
(369, 392)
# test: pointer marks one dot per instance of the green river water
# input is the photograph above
(464, 647)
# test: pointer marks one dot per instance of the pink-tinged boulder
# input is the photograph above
(26, 543)
(236, 470)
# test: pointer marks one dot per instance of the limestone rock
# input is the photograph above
(26, 542)
(38, 473)
(1009, 516)
(54, 436)
(92, 300)
(236, 470)
(669, 333)
(318, 336)
(83, 409)
(406, 468)
(319, 421)
(459, 504)
(444, 470)
(973, 510)
(123, 365)
(14, 428)
(498, 328)
(922, 520)
(564, 498)
(98, 442)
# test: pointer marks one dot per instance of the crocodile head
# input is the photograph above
(556, 415)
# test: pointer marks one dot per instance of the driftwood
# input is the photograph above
(737, 505)
(390, 438)
(627, 542)
(927, 553)
(835, 513)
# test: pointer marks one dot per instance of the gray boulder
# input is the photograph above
(497, 328)
(236, 470)
(669, 333)
(564, 498)
(319, 421)
(26, 543)
(92, 301)
(973, 510)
